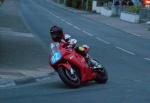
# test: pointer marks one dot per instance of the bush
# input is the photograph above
(1, 1)
(61, 1)
(134, 9)
(76, 4)
(103, 2)
(89, 5)
(69, 3)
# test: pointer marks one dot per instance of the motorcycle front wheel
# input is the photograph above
(70, 79)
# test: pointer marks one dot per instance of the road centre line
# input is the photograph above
(62, 20)
(50, 12)
(124, 50)
(76, 27)
(57, 17)
(148, 59)
(89, 34)
(54, 15)
(68, 23)
(106, 42)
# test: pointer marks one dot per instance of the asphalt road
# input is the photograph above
(125, 56)
(19, 49)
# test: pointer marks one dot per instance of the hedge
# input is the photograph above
(76, 4)
(1, 1)
(69, 3)
(87, 4)
(134, 9)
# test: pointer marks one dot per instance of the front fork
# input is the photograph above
(67, 66)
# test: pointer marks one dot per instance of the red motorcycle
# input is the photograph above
(72, 67)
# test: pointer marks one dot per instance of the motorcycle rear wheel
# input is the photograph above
(102, 76)
(71, 80)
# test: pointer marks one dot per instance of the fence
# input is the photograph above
(145, 14)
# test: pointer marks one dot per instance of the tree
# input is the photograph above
(1, 1)
(88, 5)
(69, 3)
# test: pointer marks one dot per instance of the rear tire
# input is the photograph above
(101, 76)
(71, 80)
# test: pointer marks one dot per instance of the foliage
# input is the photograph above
(134, 9)
(69, 3)
(89, 5)
(102, 2)
(108, 5)
(61, 1)
(1, 1)
(76, 4)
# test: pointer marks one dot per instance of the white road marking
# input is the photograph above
(62, 20)
(69, 23)
(6, 83)
(5, 29)
(54, 14)
(124, 50)
(29, 35)
(135, 34)
(50, 12)
(104, 41)
(148, 59)
(76, 27)
(18, 34)
(57, 16)
(89, 34)
(137, 80)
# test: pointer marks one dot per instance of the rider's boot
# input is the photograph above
(92, 63)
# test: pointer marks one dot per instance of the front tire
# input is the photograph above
(71, 80)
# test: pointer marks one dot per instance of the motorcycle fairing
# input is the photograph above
(80, 63)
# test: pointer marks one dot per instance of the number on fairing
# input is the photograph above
(56, 55)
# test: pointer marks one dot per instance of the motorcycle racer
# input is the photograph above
(57, 35)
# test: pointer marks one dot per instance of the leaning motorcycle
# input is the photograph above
(72, 67)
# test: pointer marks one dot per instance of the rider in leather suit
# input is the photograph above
(57, 35)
